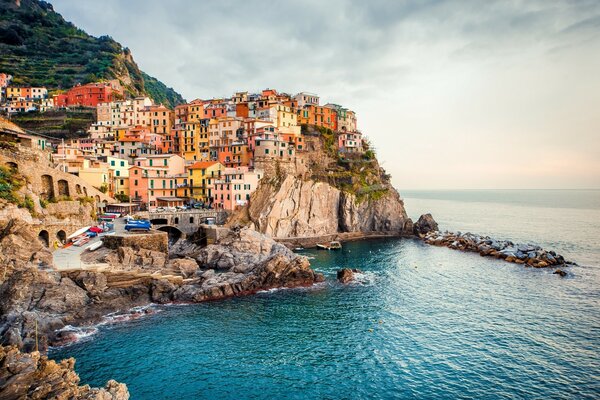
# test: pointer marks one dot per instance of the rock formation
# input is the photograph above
(239, 263)
(34, 376)
(346, 275)
(425, 224)
(307, 208)
(518, 253)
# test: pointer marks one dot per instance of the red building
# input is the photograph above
(89, 95)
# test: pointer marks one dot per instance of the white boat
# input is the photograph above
(330, 246)
(78, 232)
(94, 246)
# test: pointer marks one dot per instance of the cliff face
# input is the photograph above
(319, 193)
(305, 208)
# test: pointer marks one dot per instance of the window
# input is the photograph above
(112, 163)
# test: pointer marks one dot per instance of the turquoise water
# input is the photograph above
(423, 322)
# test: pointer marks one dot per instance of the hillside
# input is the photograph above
(40, 48)
(60, 124)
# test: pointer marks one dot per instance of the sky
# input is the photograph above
(453, 94)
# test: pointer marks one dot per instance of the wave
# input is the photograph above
(70, 334)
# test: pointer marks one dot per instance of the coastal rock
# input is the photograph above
(187, 266)
(48, 301)
(532, 255)
(424, 225)
(346, 275)
(306, 208)
(560, 272)
(34, 376)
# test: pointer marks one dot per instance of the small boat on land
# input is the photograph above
(78, 232)
(82, 241)
(94, 246)
(330, 246)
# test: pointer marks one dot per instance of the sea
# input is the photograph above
(419, 322)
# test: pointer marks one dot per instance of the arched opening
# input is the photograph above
(176, 220)
(44, 237)
(47, 191)
(61, 236)
(159, 221)
(174, 234)
(78, 188)
(85, 191)
(63, 188)
(12, 165)
(191, 220)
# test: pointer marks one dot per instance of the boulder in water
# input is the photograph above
(425, 224)
(560, 272)
(346, 275)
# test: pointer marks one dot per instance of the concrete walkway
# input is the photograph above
(70, 258)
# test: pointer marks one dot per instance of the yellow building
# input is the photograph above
(202, 176)
(193, 142)
(120, 173)
(99, 176)
(285, 116)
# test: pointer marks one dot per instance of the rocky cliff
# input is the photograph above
(35, 297)
(306, 208)
(320, 193)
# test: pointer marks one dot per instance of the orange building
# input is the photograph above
(319, 116)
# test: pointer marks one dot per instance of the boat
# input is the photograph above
(94, 246)
(82, 241)
(78, 232)
(138, 225)
(330, 246)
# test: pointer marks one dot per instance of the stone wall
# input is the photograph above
(153, 240)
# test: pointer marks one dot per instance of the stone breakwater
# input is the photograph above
(527, 254)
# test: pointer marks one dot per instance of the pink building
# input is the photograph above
(235, 188)
(154, 179)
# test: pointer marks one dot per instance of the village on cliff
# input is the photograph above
(205, 153)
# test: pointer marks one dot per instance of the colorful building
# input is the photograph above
(202, 176)
(235, 187)
(154, 179)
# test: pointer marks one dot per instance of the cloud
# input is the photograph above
(420, 74)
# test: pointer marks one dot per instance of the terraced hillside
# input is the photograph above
(38, 47)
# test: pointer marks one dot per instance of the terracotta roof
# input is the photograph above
(203, 164)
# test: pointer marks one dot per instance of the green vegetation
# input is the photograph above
(86, 200)
(10, 183)
(122, 197)
(61, 124)
(40, 48)
(357, 174)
